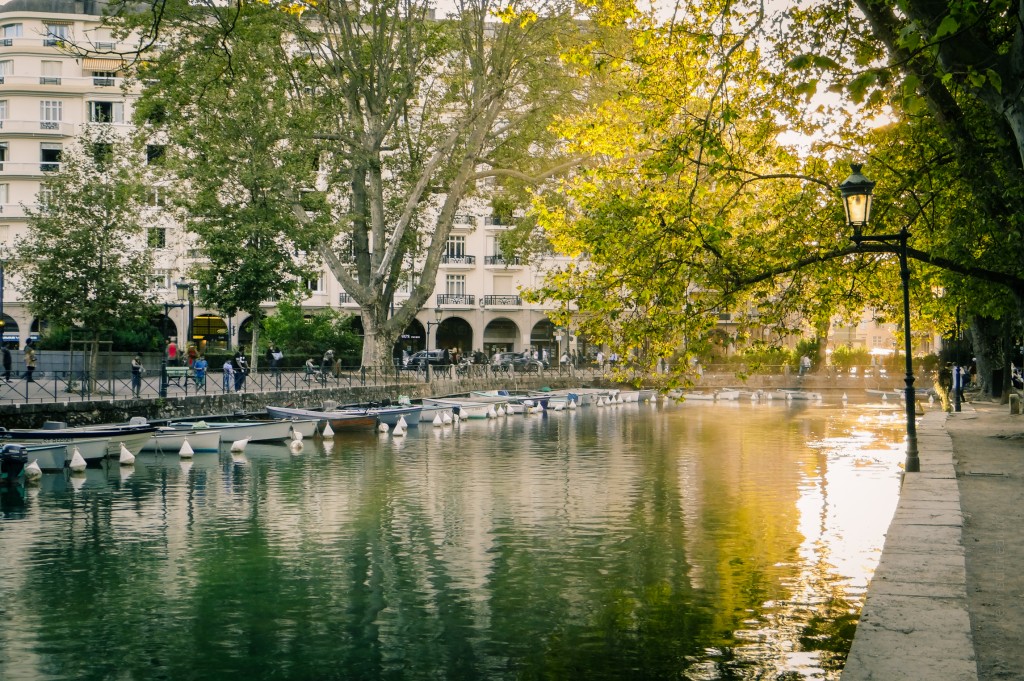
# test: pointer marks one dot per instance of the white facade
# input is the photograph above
(48, 96)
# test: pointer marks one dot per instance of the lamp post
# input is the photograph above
(856, 192)
(438, 313)
(186, 293)
(163, 350)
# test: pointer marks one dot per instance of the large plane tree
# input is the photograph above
(376, 121)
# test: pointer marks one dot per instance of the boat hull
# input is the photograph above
(339, 420)
(55, 456)
(170, 440)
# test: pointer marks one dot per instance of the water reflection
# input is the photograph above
(682, 541)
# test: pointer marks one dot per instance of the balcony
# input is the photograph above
(345, 299)
(457, 299)
(467, 260)
(503, 301)
(104, 82)
(49, 80)
(496, 221)
(463, 219)
(503, 260)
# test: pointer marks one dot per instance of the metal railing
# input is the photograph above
(79, 386)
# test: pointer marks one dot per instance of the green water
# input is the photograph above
(695, 541)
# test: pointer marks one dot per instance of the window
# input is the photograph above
(44, 197)
(49, 157)
(155, 154)
(157, 197)
(156, 237)
(3, 157)
(104, 78)
(455, 285)
(4, 192)
(106, 112)
(456, 247)
(315, 285)
(5, 235)
(11, 30)
(51, 113)
(51, 72)
(3, 112)
(56, 34)
(6, 69)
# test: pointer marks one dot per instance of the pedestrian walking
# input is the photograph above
(241, 371)
(172, 353)
(30, 362)
(274, 357)
(6, 351)
(137, 370)
(229, 375)
(199, 368)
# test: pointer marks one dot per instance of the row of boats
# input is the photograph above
(56, 445)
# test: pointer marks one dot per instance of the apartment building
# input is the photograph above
(48, 94)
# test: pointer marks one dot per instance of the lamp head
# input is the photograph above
(856, 192)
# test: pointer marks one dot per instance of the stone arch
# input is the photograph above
(455, 333)
(501, 335)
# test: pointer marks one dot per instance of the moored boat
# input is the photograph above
(464, 408)
(338, 419)
(169, 439)
(255, 430)
(133, 435)
(55, 456)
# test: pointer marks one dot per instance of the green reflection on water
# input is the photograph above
(671, 543)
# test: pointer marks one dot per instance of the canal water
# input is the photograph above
(669, 541)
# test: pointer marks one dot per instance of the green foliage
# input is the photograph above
(300, 335)
(139, 336)
(83, 263)
(845, 357)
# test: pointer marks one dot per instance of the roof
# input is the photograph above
(94, 7)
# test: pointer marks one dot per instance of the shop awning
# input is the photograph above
(108, 65)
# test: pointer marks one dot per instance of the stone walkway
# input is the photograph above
(946, 600)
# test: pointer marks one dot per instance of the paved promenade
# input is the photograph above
(945, 601)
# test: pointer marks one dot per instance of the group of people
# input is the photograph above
(6, 361)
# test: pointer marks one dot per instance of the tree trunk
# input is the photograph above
(990, 339)
(94, 355)
(254, 348)
(378, 339)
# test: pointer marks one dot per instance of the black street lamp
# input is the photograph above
(163, 352)
(438, 313)
(856, 193)
(186, 293)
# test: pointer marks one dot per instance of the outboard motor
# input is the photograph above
(13, 459)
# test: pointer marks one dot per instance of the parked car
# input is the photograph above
(423, 358)
(518, 361)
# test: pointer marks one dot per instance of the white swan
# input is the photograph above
(382, 428)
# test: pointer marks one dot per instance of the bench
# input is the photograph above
(177, 373)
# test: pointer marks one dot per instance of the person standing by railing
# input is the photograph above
(6, 361)
(229, 375)
(30, 361)
(137, 370)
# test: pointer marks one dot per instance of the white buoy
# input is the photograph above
(456, 419)
(402, 423)
(437, 420)
(33, 471)
(844, 397)
(186, 450)
(239, 445)
(399, 431)
(446, 418)
(77, 461)
(126, 458)
(885, 398)
(571, 404)
(382, 428)
(328, 433)
(600, 401)
(500, 411)
(931, 399)
(491, 414)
